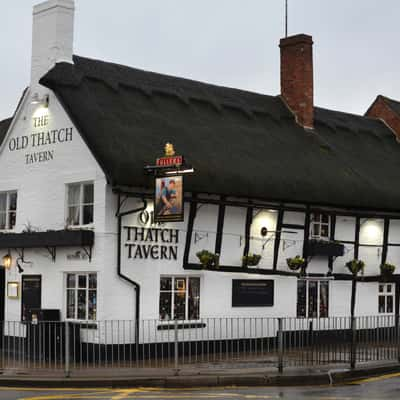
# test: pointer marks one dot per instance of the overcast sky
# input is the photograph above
(226, 42)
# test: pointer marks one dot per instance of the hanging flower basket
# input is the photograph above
(251, 260)
(208, 260)
(355, 266)
(387, 270)
(296, 263)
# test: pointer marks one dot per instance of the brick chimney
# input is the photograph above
(52, 36)
(297, 81)
(388, 111)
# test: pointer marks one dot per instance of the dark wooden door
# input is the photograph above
(31, 295)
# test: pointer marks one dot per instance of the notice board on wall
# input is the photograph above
(252, 293)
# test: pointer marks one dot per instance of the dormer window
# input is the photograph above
(8, 210)
(320, 226)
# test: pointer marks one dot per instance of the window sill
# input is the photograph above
(185, 325)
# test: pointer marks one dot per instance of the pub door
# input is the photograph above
(31, 295)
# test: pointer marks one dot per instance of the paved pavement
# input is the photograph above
(376, 388)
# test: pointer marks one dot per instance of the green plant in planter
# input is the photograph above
(296, 263)
(355, 266)
(251, 260)
(208, 259)
(387, 269)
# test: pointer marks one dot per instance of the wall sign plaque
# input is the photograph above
(252, 293)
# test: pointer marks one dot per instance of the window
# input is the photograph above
(80, 204)
(82, 296)
(8, 210)
(320, 226)
(312, 298)
(386, 298)
(179, 298)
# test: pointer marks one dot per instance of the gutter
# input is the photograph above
(119, 215)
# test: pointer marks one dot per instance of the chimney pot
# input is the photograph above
(297, 80)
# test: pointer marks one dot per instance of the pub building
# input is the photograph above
(275, 177)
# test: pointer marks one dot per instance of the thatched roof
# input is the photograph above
(241, 143)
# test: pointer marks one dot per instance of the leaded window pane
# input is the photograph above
(74, 194)
(81, 304)
(71, 304)
(3, 202)
(165, 306)
(13, 201)
(312, 299)
(194, 298)
(88, 193)
(301, 299)
(323, 299)
(87, 215)
(92, 306)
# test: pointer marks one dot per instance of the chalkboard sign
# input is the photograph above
(252, 293)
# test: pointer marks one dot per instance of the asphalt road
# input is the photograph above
(383, 387)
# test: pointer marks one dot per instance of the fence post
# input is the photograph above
(176, 348)
(353, 343)
(280, 346)
(67, 351)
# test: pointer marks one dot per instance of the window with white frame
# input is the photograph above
(179, 298)
(8, 210)
(386, 298)
(320, 226)
(312, 298)
(81, 297)
(80, 204)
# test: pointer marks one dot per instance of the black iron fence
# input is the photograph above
(273, 342)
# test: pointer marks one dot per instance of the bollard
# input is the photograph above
(280, 346)
(66, 342)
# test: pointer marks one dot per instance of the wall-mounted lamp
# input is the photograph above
(264, 231)
(44, 101)
(7, 261)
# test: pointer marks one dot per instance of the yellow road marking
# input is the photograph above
(375, 378)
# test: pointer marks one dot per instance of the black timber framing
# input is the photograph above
(385, 240)
(332, 238)
(306, 232)
(279, 227)
(189, 232)
(249, 221)
(220, 228)
(357, 238)
(259, 203)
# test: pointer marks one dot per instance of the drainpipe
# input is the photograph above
(119, 215)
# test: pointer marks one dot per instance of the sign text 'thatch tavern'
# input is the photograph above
(154, 243)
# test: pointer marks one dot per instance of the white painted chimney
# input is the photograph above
(52, 36)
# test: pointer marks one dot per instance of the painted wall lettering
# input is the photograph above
(154, 243)
(38, 139)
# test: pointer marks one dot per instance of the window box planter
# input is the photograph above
(63, 238)
(325, 248)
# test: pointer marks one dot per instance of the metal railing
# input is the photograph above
(208, 342)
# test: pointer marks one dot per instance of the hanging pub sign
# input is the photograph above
(168, 202)
(168, 192)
